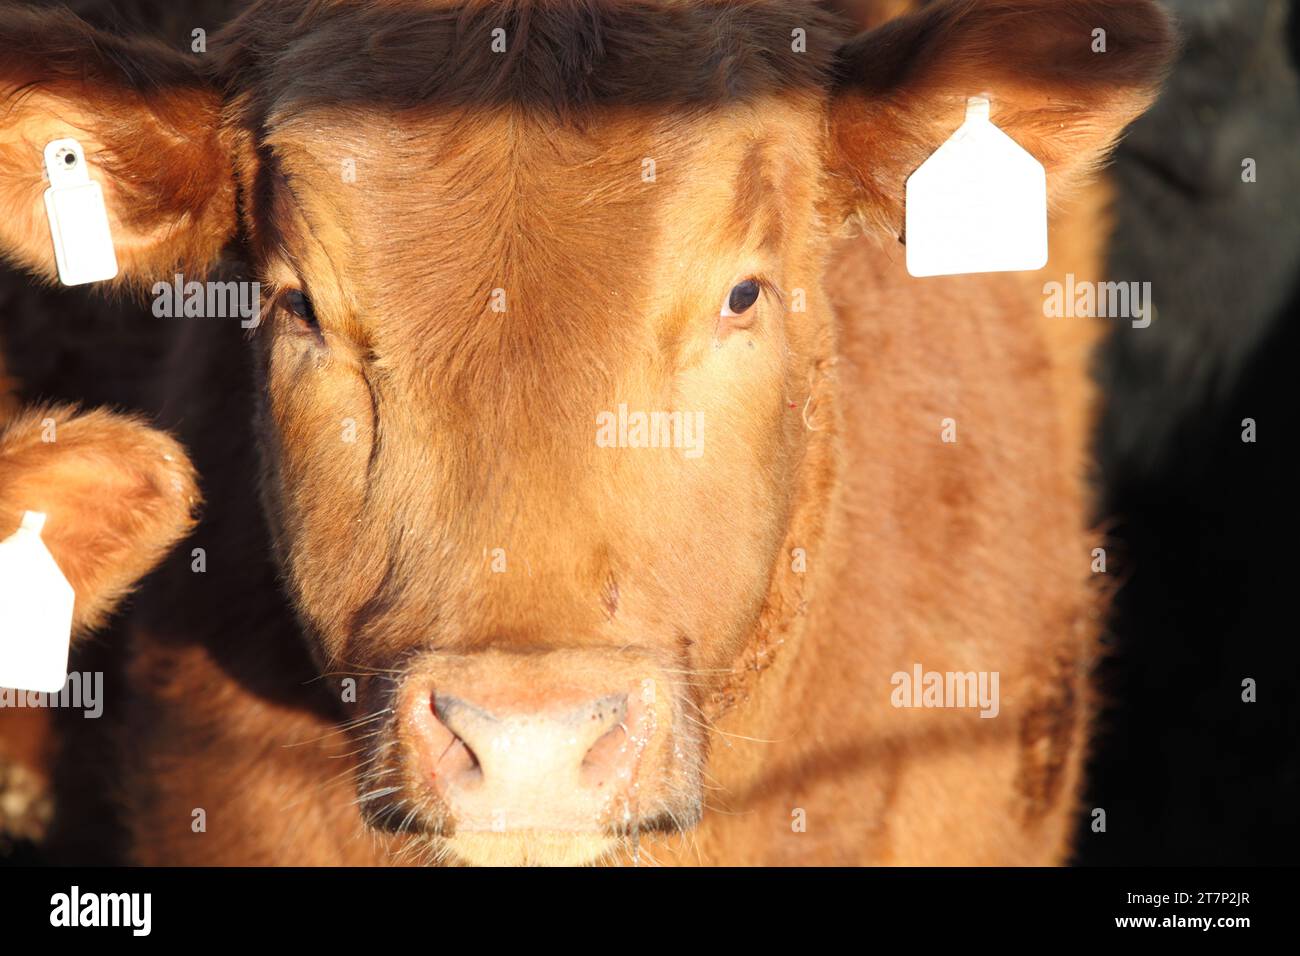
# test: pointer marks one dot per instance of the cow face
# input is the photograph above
(538, 395)
(545, 376)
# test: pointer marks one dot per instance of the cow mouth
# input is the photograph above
(437, 840)
(628, 844)
(537, 848)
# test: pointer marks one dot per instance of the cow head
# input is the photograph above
(546, 371)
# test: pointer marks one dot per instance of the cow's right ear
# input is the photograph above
(150, 126)
(117, 495)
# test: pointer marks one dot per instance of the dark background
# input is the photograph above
(1205, 526)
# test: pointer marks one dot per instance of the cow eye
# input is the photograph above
(743, 296)
(298, 305)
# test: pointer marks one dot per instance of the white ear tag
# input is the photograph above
(978, 204)
(35, 612)
(83, 244)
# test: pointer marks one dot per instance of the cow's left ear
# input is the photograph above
(1063, 79)
(149, 124)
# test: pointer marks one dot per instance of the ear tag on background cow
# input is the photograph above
(978, 204)
(35, 612)
(83, 243)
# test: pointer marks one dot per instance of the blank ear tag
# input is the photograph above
(978, 204)
(35, 612)
(83, 243)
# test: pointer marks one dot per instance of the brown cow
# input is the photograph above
(495, 234)
(117, 495)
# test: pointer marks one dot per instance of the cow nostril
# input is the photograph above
(457, 759)
(604, 753)
(469, 757)
(608, 758)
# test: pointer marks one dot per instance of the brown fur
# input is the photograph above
(522, 172)
(144, 119)
(117, 496)
(1059, 100)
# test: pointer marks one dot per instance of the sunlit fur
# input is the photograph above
(116, 495)
(474, 428)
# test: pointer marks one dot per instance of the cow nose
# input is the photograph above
(534, 749)
(560, 768)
